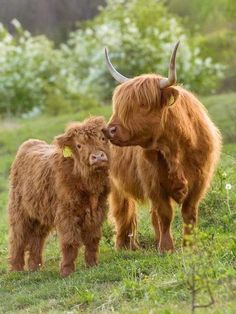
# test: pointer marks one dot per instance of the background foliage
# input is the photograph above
(35, 73)
(140, 38)
(213, 24)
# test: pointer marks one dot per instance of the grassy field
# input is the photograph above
(141, 281)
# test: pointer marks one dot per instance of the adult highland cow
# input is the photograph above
(63, 185)
(165, 146)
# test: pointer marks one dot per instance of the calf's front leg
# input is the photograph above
(70, 240)
(91, 239)
(69, 255)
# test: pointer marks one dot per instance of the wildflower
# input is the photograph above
(228, 186)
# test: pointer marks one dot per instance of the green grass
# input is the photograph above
(125, 282)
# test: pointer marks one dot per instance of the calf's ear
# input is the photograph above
(169, 96)
(62, 140)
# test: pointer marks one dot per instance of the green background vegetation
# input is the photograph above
(37, 76)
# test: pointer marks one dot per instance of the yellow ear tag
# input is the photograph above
(67, 152)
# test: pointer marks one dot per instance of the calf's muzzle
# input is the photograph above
(97, 157)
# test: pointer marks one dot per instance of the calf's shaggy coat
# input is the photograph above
(63, 185)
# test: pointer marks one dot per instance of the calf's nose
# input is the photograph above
(97, 157)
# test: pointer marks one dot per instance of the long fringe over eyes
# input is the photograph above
(142, 91)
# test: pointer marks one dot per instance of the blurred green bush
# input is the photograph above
(33, 75)
(212, 24)
(139, 34)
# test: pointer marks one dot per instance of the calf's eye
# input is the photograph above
(78, 146)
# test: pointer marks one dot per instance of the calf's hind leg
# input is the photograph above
(123, 211)
(37, 238)
(18, 233)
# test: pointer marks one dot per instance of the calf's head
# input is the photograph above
(139, 105)
(86, 144)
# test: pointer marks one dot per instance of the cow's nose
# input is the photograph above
(109, 132)
(112, 131)
(97, 157)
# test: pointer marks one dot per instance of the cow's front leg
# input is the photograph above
(178, 184)
(123, 212)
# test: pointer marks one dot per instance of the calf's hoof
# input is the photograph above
(34, 266)
(91, 264)
(16, 267)
(66, 271)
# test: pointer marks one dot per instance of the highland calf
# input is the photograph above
(165, 147)
(62, 185)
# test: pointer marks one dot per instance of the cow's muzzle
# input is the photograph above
(109, 132)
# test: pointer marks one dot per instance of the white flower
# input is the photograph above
(16, 23)
(228, 186)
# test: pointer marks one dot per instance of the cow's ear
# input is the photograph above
(169, 96)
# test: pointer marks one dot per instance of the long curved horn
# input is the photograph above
(117, 76)
(172, 76)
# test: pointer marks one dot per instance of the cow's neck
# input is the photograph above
(171, 137)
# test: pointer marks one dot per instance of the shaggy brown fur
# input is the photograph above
(49, 190)
(178, 149)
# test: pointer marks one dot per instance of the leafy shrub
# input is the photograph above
(221, 45)
(33, 75)
(140, 35)
(59, 100)
(27, 64)
(217, 40)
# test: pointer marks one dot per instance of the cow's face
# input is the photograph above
(121, 135)
(139, 107)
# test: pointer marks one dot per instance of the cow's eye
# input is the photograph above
(78, 146)
(103, 139)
